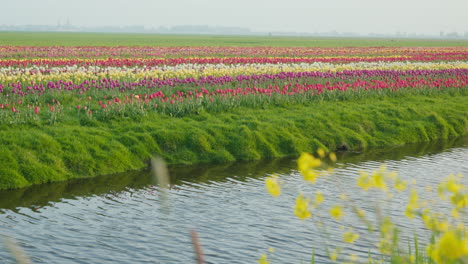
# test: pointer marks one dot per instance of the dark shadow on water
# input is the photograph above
(42, 195)
(401, 152)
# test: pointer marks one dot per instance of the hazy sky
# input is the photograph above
(360, 16)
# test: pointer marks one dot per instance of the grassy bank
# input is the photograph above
(128, 39)
(43, 194)
(37, 154)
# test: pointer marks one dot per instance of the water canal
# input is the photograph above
(120, 219)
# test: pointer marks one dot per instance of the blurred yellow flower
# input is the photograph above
(263, 259)
(364, 181)
(301, 208)
(307, 161)
(387, 236)
(384, 246)
(449, 248)
(350, 237)
(409, 212)
(319, 198)
(310, 175)
(455, 213)
(360, 213)
(337, 212)
(387, 227)
(452, 184)
(400, 185)
(334, 255)
(306, 164)
(412, 204)
(273, 186)
(459, 200)
(378, 181)
(442, 226)
(321, 153)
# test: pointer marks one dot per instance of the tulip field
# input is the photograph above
(107, 93)
(50, 84)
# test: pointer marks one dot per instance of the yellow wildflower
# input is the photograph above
(319, 198)
(332, 157)
(387, 233)
(441, 192)
(307, 161)
(450, 247)
(400, 185)
(350, 237)
(412, 204)
(409, 212)
(310, 175)
(455, 213)
(359, 212)
(442, 226)
(273, 186)
(364, 181)
(460, 200)
(426, 217)
(337, 212)
(378, 181)
(301, 208)
(334, 255)
(387, 227)
(321, 153)
(263, 259)
(414, 197)
(452, 184)
(384, 246)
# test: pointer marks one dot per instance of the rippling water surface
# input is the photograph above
(120, 219)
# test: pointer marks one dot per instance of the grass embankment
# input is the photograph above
(32, 155)
(128, 39)
(43, 194)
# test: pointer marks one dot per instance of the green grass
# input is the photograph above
(33, 155)
(122, 39)
(43, 194)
